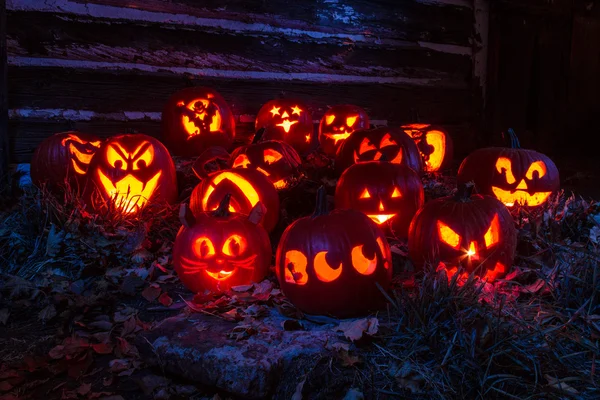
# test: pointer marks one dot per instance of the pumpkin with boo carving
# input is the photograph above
(128, 171)
(473, 231)
(331, 263)
(218, 249)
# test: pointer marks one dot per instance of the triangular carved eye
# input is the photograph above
(241, 161)
(492, 236)
(365, 194)
(386, 141)
(329, 119)
(365, 146)
(350, 121)
(396, 193)
(448, 236)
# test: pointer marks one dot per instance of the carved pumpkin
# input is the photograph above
(473, 231)
(287, 120)
(434, 144)
(212, 159)
(338, 123)
(217, 250)
(512, 175)
(63, 158)
(196, 118)
(246, 186)
(371, 145)
(277, 160)
(330, 263)
(128, 171)
(389, 194)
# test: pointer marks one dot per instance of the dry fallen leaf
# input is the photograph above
(354, 330)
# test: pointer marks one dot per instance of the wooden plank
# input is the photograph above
(107, 91)
(584, 86)
(4, 143)
(437, 22)
(27, 133)
(36, 34)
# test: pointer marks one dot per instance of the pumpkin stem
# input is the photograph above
(514, 139)
(321, 207)
(258, 135)
(464, 191)
(223, 210)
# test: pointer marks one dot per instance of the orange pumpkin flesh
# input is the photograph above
(338, 123)
(474, 232)
(128, 171)
(195, 119)
(331, 263)
(63, 158)
(246, 186)
(219, 249)
(512, 175)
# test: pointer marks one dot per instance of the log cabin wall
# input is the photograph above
(108, 66)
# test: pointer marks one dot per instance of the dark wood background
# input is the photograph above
(107, 66)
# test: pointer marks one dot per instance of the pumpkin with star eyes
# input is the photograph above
(277, 160)
(287, 120)
(218, 249)
(332, 263)
(470, 231)
(246, 186)
(338, 123)
(128, 171)
(195, 119)
(63, 159)
(372, 144)
(434, 144)
(512, 175)
(389, 194)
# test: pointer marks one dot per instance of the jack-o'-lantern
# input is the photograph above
(474, 232)
(372, 144)
(287, 120)
(331, 263)
(338, 123)
(277, 160)
(218, 249)
(195, 119)
(512, 175)
(246, 186)
(213, 159)
(128, 171)
(434, 144)
(63, 158)
(389, 194)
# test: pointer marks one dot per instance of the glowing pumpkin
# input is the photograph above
(246, 186)
(219, 249)
(389, 194)
(63, 158)
(512, 175)
(338, 123)
(128, 171)
(287, 120)
(371, 145)
(195, 119)
(331, 263)
(277, 160)
(473, 231)
(212, 159)
(434, 144)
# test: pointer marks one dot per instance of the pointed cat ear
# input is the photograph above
(186, 217)
(257, 214)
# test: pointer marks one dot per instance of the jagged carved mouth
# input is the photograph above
(522, 197)
(129, 194)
